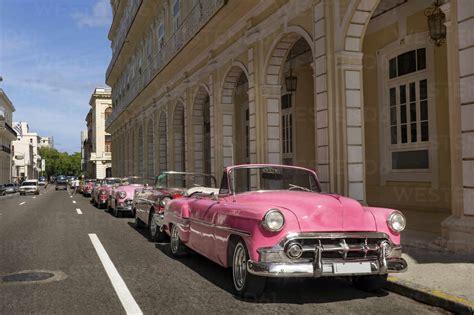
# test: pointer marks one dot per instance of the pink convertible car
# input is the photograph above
(274, 221)
(121, 197)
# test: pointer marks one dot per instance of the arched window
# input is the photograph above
(107, 112)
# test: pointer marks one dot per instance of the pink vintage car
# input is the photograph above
(121, 197)
(100, 193)
(274, 221)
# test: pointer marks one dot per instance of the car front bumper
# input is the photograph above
(29, 191)
(330, 254)
(323, 269)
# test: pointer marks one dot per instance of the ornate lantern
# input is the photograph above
(436, 20)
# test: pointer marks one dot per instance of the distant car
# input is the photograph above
(29, 186)
(121, 197)
(100, 195)
(10, 188)
(87, 187)
(61, 182)
(150, 202)
(42, 181)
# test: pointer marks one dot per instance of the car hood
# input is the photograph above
(129, 189)
(316, 211)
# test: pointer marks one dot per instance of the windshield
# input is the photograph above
(133, 181)
(184, 180)
(29, 184)
(257, 178)
(112, 181)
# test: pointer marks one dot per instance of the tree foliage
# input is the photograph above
(61, 163)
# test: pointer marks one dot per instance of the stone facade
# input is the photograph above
(27, 161)
(7, 135)
(377, 109)
(97, 143)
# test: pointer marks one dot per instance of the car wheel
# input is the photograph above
(156, 234)
(178, 249)
(370, 283)
(138, 223)
(116, 212)
(246, 285)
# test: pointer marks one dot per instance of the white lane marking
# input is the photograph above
(78, 211)
(21, 204)
(128, 302)
(74, 201)
(70, 196)
(34, 197)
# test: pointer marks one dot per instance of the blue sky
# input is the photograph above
(52, 55)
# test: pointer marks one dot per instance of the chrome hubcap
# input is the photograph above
(174, 239)
(239, 267)
(153, 225)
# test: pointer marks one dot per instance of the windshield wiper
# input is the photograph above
(298, 187)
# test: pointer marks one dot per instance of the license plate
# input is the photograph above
(352, 267)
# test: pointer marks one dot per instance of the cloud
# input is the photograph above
(101, 15)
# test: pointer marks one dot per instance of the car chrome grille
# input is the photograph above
(341, 248)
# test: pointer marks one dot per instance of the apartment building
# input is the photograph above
(376, 95)
(98, 145)
(7, 135)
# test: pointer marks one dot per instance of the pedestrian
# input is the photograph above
(76, 185)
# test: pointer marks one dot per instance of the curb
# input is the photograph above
(431, 297)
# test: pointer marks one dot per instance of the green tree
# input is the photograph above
(61, 163)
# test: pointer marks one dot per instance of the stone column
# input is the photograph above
(458, 229)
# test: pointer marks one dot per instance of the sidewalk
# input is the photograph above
(435, 276)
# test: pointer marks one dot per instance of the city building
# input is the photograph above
(98, 145)
(376, 95)
(27, 162)
(84, 152)
(46, 142)
(7, 135)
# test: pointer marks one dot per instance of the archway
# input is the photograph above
(236, 116)
(140, 149)
(291, 115)
(162, 141)
(202, 132)
(150, 149)
(179, 136)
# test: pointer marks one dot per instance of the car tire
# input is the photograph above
(138, 223)
(116, 212)
(155, 233)
(178, 249)
(246, 285)
(370, 283)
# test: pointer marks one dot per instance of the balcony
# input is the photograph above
(131, 11)
(7, 131)
(192, 23)
(4, 148)
(102, 156)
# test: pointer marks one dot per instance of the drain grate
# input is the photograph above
(27, 276)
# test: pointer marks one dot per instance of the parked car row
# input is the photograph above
(8, 189)
(29, 186)
(263, 221)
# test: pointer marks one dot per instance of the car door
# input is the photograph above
(202, 211)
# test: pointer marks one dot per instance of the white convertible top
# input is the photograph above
(202, 189)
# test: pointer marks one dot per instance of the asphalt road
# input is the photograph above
(47, 233)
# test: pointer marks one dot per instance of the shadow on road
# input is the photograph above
(291, 291)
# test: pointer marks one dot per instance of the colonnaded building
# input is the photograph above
(376, 95)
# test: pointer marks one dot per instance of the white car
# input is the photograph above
(29, 187)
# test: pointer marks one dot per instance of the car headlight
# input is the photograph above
(396, 221)
(164, 201)
(273, 220)
(122, 194)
